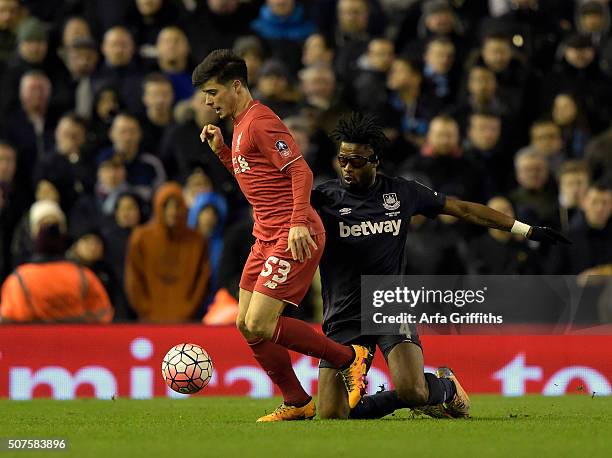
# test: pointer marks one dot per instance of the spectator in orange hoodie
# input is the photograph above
(167, 270)
(50, 288)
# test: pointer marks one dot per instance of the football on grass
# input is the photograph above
(187, 368)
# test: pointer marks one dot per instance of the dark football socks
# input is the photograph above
(275, 360)
(377, 405)
(440, 389)
(299, 336)
(381, 404)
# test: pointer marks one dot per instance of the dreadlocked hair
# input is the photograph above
(361, 129)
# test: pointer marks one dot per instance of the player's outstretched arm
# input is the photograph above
(485, 216)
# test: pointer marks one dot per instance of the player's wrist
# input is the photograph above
(520, 228)
(220, 149)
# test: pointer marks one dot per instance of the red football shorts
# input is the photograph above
(271, 270)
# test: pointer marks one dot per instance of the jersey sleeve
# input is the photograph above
(225, 156)
(428, 202)
(317, 199)
(272, 138)
(320, 197)
(301, 184)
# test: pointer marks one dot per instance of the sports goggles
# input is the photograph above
(356, 161)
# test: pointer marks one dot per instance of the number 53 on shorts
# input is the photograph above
(281, 267)
(270, 270)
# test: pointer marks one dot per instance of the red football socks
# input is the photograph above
(299, 336)
(275, 360)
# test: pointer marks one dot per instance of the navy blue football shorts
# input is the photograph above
(352, 335)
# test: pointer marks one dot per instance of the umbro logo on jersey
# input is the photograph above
(369, 228)
(345, 211)
(390, 201)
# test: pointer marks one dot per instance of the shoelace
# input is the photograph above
(348, 381)
(280, 409)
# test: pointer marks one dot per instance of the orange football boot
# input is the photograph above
(354, 376)
(291, 413)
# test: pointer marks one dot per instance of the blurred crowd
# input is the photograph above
(111, 205)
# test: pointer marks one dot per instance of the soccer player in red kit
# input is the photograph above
(290, 238)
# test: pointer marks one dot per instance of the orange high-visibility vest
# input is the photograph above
(56, 291)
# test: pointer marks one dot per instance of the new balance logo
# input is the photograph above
(370, 228)
(271, 284)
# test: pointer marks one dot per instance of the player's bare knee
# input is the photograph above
(332, 413)
(412, 394)
(242, 327)
(260, 328)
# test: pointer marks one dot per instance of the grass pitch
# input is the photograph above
(571, 426)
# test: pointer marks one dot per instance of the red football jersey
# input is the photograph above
(264, 156)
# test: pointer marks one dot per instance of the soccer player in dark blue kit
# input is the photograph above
(366, 217)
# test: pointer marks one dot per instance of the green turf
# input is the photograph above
(576, 425)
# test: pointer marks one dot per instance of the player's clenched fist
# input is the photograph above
(212, 134)
(299, 243)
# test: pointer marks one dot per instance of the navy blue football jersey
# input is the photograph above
(366, 234)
